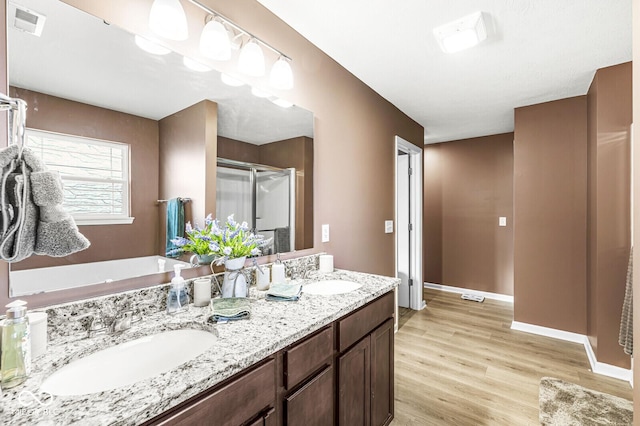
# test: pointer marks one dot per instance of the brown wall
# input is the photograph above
(474, 178)
(188, 147)
(59, 115)
(608, 215)
(550, 214)
(432, 214)
(232, 149)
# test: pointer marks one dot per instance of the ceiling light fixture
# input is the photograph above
(259, 93)
(282, 103)
(251, 59)
(462, 33)
(167, 19)
(151, 46)
(230, 81)
(194, 65)
(214, 40)
(281, 76)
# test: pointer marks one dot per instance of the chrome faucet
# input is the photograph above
(112, 319)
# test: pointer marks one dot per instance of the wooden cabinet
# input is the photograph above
(365, 370)
(340, 374)
(234, 403)
(312, 404)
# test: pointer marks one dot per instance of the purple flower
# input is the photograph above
(180, 242)
(213, 247)
(226, 251)
(188, 228)
(208, 220)
(255, 251)
(232, 223)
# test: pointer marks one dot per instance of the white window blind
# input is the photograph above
(95, 174)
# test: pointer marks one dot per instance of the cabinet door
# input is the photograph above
(268, 419)
(312, 405)
(382, 374)
(355, 386)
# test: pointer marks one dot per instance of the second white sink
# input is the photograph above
(331, 287)
(128, 362)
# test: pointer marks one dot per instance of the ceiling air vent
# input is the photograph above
(26, 20)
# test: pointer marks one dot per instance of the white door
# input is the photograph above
(403, 224)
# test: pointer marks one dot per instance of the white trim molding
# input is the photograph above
(597, 367)
(460, 290)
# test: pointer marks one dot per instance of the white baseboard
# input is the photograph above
(460, 290)
(597, 367)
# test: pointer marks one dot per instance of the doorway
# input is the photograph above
(408, 200)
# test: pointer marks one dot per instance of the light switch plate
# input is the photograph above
(325, 233)
(502, 221)
(388, 226)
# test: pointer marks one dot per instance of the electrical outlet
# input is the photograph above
(388, 227)
(325, 233)
(502, 221)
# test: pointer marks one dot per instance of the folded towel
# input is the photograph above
(175, 225)
(57, 234)
(230, 309)
(284, 292)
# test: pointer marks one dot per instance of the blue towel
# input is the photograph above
(175, 225)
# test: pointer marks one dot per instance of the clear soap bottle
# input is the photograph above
(177, 298)
(15, 362)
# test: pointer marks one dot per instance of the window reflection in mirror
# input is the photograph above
(101, 86)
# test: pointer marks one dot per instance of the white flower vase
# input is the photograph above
(235, 281)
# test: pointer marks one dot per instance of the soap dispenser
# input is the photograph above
(177, 299)
(15, 362)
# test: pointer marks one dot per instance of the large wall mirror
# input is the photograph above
(83, 77)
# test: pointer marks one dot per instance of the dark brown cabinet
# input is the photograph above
(365, 370)
(340, 374)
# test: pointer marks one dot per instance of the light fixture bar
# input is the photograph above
(237, 27)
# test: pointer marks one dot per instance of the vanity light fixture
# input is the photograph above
(151, 46)
(251, 59)
(230, 81)
(462, 33)
(281, 76)
(167, 19)
(214, 40)
(194, 65)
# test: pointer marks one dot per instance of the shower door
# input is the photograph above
(275, 208)
(263, 196)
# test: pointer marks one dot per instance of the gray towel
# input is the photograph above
(625, 338)
(281, 240)
(33, 220)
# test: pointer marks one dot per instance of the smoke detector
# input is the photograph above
(26, 20)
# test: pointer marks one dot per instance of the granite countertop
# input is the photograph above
(239, 344)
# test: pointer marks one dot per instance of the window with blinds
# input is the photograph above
(95, 174)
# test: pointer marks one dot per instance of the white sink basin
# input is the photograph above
(331, 287)
(128, 362)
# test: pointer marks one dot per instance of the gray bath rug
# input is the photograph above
(567, 404)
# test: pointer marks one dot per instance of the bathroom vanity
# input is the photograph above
(323, 360)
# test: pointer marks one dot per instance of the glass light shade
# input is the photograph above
(259, 93)
(194, 65)
(251, 59)
(214, 41)
(167, 19)
(150, 46)
(230, 81)
(281, 76)
(460, 40)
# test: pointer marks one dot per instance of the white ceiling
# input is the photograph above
(536, 51)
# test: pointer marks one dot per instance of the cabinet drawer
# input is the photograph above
(305, 357)
(358, 324)
(312, 405)
(232, 404)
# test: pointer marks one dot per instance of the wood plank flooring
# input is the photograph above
(459, 363)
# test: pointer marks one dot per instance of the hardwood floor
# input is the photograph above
(459, 363)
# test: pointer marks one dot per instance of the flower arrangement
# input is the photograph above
(230, 241)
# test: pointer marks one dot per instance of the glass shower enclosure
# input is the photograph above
(261, 195)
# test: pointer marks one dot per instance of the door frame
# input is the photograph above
(415, 162)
